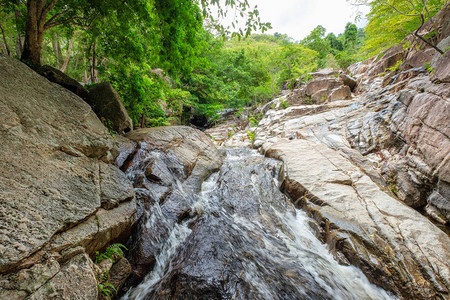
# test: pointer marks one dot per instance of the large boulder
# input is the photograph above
(394, 245)
(348, 81)
(108, 106)
(340, 93)
(56, 177)
(56, 76)
(321, 84)
(442, 71)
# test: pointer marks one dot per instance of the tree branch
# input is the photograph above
(57, 15)
(416, 33)
(47, 9)
(400, 12)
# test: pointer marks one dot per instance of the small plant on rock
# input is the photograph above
(105, 289)
(396, 67)
(112, 252)
(429, 68)
(251, 135)
(284, 103)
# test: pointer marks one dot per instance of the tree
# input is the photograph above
(350, 34)
(390, 21)
(43, 15)
(316, 41)
(334, 42)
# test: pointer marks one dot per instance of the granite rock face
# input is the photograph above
(361, 167)
(108, 106)
(59, 197)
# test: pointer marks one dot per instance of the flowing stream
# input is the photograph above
(243, 239)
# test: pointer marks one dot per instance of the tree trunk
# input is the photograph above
(34, 32)
(69, 50)
(85, 76)
(57, 49)
(93, 67)
(5, 40)
(19, 43)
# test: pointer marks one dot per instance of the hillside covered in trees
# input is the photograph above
(172, 61)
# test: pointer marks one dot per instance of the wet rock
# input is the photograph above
(168, 168)
(108, 106)
(119, 273)
(244, 242)
(355, 205)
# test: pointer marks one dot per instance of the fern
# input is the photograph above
(113, 252)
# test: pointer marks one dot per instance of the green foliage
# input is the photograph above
(113, 252)
(390, 21)
(284, 103)
(395, 67)
(109, 125)
(105, 289)
(251, 135)
(393, 188)
(429, 68)
(254, 119)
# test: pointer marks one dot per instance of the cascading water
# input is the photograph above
(241, 238)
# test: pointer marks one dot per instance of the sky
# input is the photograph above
(297, 18)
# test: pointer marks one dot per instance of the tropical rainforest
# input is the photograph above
(172, 61)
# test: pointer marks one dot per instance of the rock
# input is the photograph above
(119, 273)
(296, 97)
(54, 156)
(340, 93)
(387, 59)
(21, 284)
(321, 84)
(442, 68)
(58, 77)
(76, 280)
(108, 106)
(348, 81)
(320, 96)
(395, 136)
(168, 168)
(394, 245)
(115, 186)
(323, 73)
(417, 59)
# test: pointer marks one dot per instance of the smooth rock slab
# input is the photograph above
(49, 161)
(394, 245)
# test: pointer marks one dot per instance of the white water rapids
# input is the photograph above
(268, 249)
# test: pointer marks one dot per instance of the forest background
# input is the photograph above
(173, 62)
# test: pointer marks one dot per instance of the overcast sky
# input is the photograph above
(297, 18)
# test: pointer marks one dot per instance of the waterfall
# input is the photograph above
(243, 239)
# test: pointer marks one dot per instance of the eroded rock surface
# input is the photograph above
(167, 168)
(361, 167)
(56, 175)
(108, 106)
